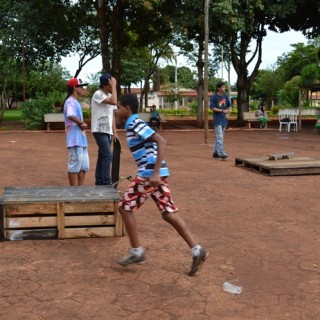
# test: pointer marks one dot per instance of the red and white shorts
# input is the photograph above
(139, 190)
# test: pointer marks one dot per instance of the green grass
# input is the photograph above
(12, 115)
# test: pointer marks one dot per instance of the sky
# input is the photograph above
(273, 46)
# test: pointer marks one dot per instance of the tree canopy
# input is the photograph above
(132, 35)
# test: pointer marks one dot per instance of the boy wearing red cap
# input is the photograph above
(77, 143)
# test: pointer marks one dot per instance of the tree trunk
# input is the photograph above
(118, 29)
(240, 64)
(104, 34)
(243, 88)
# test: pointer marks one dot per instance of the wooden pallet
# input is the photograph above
(285, 167)
(59, 213)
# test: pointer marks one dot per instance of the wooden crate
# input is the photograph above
(286, 167)
(60, 213)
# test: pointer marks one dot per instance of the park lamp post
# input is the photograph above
(206, 80)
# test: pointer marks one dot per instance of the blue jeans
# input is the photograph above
(218, 147)
(104, 160)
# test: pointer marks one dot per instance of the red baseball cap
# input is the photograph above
(74, 82)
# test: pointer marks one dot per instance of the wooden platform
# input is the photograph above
(59, 213)
(285, 167)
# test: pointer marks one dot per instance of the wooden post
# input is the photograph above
(60, 220)
(1, 221)
(299, 115)
(118, 229)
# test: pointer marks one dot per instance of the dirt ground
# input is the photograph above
(262, 233)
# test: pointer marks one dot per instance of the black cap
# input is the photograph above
(105, 79)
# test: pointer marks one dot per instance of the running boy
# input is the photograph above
(147, 148)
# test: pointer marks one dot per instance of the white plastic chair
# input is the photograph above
(282, 117)
(291, 119)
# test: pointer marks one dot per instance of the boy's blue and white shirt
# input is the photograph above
(142, 149)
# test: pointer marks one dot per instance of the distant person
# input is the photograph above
(147, 148)
(260, 114)
(220, 105)
(77, 143)
(103, 126)
(154, 117)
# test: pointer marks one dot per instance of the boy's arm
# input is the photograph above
(82, 125)
(214, 105)
(113, 99)
(161, 143)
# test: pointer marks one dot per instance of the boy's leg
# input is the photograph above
(135, 195)
(199, 255)
(130, 223)
(180, 226)
(72, 179)
(163, 199)
(136, 253)
(81, 175)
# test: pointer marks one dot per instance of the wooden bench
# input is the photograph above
(146, 117)
(53, 117)
(249, 117)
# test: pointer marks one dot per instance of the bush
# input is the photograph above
(86, 113)
(33, 111)
(275, 109)
(193, 106)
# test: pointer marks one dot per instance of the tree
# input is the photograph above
(266, 86)
(185, 77)
(29, 44)
(189, 26)
(291, 63)
(290, 92)
(88, 45)
(243, 24)
(118, 17)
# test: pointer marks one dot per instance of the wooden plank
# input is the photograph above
(29, 208)
(50, 208)
(30, 222)
(87, 207)
(63, 194)
(89, 232)
(34, 234)
(41, 222)
(294, 171)
(118, 222)
(60, 220)
(1, 221)
(92, 220)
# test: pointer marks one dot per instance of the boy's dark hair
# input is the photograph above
(130, 100)
(220, 84)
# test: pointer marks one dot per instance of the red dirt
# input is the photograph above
(262, 232)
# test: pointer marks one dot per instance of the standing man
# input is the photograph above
(77, 143)
(220, 105)
(103, 126)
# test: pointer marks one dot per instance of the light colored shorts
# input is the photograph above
(139, 191)
(78, 159)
